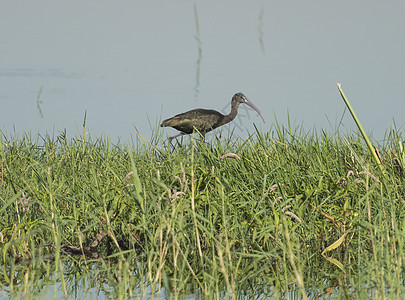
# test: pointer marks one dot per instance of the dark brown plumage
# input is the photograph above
(205, 120)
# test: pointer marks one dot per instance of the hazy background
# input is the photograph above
(131, 64)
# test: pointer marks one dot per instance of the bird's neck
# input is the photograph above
(234, 111)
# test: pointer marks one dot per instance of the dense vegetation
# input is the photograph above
(284, 213)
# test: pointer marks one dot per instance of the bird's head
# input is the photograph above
(241, 98)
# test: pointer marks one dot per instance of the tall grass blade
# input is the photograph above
(360, 127)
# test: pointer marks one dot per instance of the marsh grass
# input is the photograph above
(228, 218)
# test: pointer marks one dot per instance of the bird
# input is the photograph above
(205, 120)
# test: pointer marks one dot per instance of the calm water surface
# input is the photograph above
(131, 64)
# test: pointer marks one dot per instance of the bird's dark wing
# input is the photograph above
(204, 120)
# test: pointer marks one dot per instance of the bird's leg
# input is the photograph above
(173, 137)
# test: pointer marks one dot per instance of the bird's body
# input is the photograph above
(205, 120)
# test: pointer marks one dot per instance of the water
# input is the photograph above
(133, 63)
(89, 281)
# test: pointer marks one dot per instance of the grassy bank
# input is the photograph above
(284, 214)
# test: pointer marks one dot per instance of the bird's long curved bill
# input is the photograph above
(256, 109)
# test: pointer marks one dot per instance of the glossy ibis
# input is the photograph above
(205, 120)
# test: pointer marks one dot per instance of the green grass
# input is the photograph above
(196, 222)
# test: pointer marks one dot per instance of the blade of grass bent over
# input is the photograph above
(334, 246)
